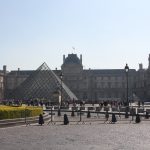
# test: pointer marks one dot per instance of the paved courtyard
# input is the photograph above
(94, 136)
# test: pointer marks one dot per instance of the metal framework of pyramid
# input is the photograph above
(42, 83)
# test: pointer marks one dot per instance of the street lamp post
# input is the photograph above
(127, 71)
(61, 78)
(56, 94)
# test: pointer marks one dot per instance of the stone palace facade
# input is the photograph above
(89, 84)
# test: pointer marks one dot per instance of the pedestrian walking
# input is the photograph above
(59, 112)
(139, 104)
(88, 114)
(72, 113)
(126, 114)
(113, 120)
(106, 116)
(147, 115)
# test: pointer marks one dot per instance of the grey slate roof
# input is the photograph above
(92, 71)
(21, 72)
(108, 71)
(72, 58)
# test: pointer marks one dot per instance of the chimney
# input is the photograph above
(4, 69)
(140, 66)
(63, 58)
(18, 72)
(149, 62)
(81, 59)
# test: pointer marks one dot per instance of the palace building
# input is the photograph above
(88, 84)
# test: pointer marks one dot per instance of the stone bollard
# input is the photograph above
(137, 119)
(66, 121)
(41, 120)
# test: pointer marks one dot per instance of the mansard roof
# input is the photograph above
(21, 72)
(93, 71)
(72, 59)
(108, 71)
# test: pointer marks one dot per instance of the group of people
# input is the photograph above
(113, 120)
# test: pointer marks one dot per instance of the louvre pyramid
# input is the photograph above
(42, 83)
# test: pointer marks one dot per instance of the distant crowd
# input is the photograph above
(37, 102)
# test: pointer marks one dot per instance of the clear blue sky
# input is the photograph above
(108, 33)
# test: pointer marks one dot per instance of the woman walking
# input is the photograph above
(106, 116)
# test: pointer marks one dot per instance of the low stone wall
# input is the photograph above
(21, 121)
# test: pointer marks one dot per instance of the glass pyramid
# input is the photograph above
(42, 84)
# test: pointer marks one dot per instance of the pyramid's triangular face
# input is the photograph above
(42, 83)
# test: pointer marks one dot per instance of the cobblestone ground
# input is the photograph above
(95, 136)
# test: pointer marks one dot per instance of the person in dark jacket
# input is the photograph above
(147, 115)
(41, 120)
(88, 114)
(113, 120)
(66, 121)
(126, 114)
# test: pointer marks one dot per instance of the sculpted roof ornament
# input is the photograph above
(72, 59)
